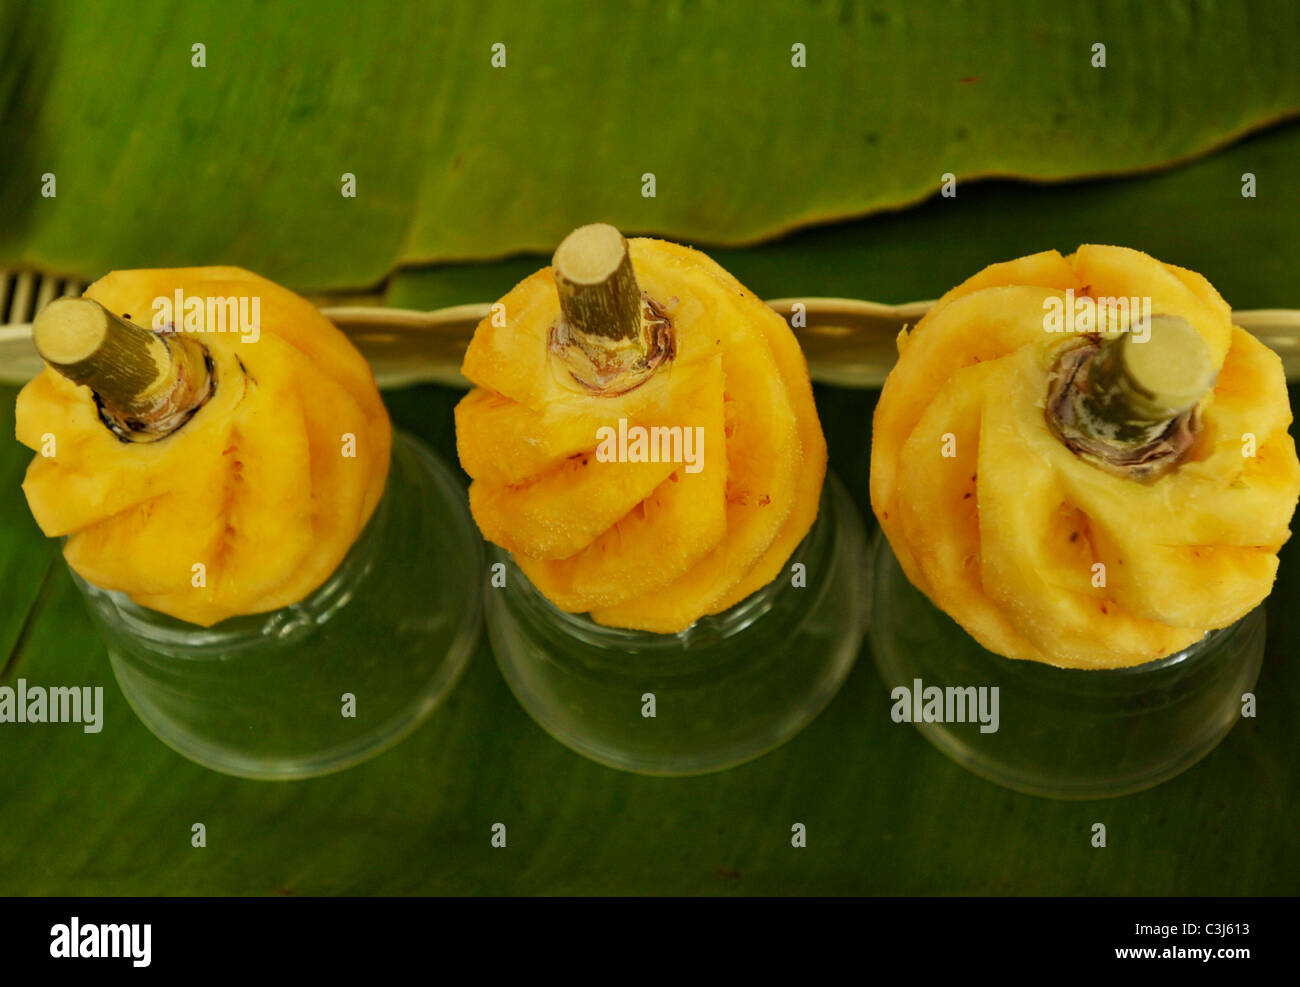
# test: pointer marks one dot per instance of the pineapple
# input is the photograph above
(1099, 540)
(255, 487)
(645, 545)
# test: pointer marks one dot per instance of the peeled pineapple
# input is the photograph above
(249, 505)
(645, 545)
(1039, 551)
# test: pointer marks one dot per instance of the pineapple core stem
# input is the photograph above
(610, 336)
(146, 384)
(1129, 405)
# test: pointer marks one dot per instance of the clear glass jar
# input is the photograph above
(727, 689)
(1065, 733)
(267, 695)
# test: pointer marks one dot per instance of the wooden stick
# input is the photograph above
(147, 384)
(604, 334)
(1129, 406)
(1134, 386)
(598, 291)
(123, 363)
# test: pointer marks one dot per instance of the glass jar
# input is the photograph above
(725, 690)
(1063, 732)
(336, 678)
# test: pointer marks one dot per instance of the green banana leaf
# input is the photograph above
(157, 161)
(111, 813)
(886, 813)
(1194, 216)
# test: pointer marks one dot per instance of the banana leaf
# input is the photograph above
(158, 161)
(1194, 216)
(111, 813)
(886, 813)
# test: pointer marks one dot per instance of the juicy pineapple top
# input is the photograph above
(254, 501)
(1037, 552)
(650, 545)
